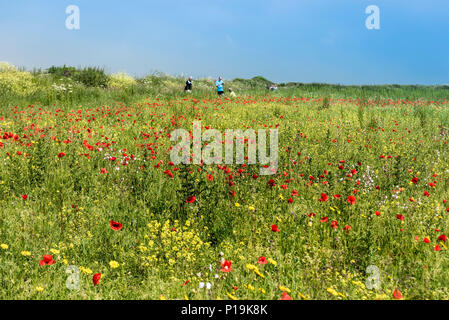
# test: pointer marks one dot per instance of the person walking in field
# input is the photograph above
(188, 87)
(219, 84)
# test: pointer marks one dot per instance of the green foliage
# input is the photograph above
(15, 82)
(121, 81)
(90, 76)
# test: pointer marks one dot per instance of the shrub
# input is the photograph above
(15, 82)
(121, 80)
(90, 76)
(63, 71)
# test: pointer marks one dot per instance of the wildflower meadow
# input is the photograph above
(93, 206)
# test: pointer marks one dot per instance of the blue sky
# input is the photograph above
(283, 40)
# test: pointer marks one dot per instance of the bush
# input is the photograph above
(121, 80)
(90, 76)
(62, 71)
(15, 82)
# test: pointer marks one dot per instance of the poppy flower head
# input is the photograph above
(275, 228)
(323, 198)
(262, 260)
(47, 259)
(226, 266)
(285, 296)
(116, 226)
(96, 278)
(397, 294)
(351, 200)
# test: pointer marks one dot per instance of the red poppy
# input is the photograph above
(325, 219)
(397, 294)
(262, 260)
(191, 199)
(414, 180)
(115, 225)
(275, 228)
(47, 259)
(400, 217)
(168, 173)
(377, 213)
(285, 296)
(334, 224)
(442, 238)
(290, 200)
(226, 266)
(337, 196)
(347, 227)
(61, 154)
(24, 196)
(96, 278)
(323, 198)
(103, 170)
(437, 248)
(351, 200)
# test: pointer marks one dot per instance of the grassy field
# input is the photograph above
(92, 207)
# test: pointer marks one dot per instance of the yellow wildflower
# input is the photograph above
(282, 288)
(272, 261)
(231, 296)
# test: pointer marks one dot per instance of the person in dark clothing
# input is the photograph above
(188, 87)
